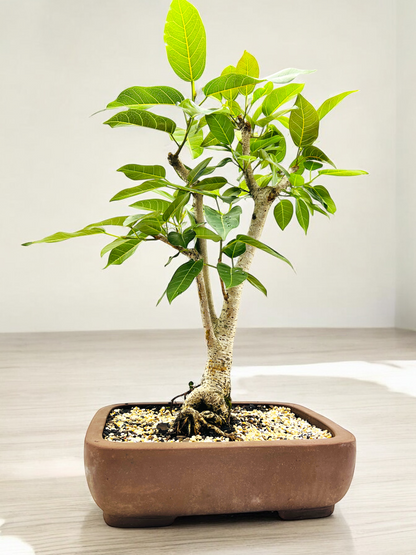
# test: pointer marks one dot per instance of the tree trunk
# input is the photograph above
(208, 406)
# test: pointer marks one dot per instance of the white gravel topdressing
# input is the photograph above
(251, 423)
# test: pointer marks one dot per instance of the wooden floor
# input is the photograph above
(52, 384)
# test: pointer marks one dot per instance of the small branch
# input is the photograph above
(190, 253)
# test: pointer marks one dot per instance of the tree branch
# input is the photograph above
(206, 299)
(190, 253)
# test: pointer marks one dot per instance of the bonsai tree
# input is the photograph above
(266, 130)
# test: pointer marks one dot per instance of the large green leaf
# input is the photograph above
(231, 276)
(287, 75)
(142, 119)
(283, 213)
(145, 97)
(176, 206)
(63, 235)
(330, 103)
(204, 233)
(302, 214)
(280, 96)
(122, 252)
(314, 153)
(185, 40)
(256, 283)
(259, 245)
(223, 223)
(138, 190)
(151, 204)
(221, 127)
(343, 173)
(138, 172)
(230, 82)
(183, 277)
(248, 65)
(234, 249)
(303, 123)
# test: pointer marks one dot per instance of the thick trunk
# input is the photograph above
(209, 405)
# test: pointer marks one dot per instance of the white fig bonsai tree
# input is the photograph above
(266, 129)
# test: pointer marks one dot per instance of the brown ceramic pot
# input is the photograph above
(150, 484)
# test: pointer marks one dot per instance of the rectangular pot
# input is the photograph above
(150, 484)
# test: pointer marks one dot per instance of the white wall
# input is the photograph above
(65, 60)
(406, 182)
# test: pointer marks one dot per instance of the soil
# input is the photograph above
(248, 423)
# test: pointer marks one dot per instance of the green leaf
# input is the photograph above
(296, 180)
(149, 226)
(145, 97)
(230, 82)
(287, 75)
(221, 127)
(176, 239)
(138, 172)
(138, 190)
(176, 206)
(185, 40)
(113, 245)
(188, 235)
(329, 104)
(262, 91)
(122, 252)
(211, 183)
(280, 96)
(314, 153)
(303, 123)
(234, 249)
(223, 223)
(210, 140)
(204, 233)
(116, 220)
(325, 198)
(248, 65)
(231, 276)
(182, 278)
(343, 173)
(229, 95)
(283, 213)
(193, 140)
(151, 204)
(312, 166)
(63, 235)
(234, 107)
(302, 214)
(198, 170)
(254, 281)
(259, 245)
(284, 121)
(142, 119)
(256, 144)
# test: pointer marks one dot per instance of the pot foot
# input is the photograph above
(301, 514)
(137, 522)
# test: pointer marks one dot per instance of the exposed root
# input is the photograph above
(191, 422)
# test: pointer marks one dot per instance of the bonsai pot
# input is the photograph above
(150, 484)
